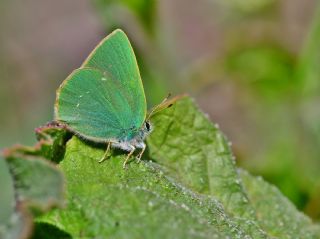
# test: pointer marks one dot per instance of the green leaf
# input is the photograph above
(202, 159)
(105, 200)
(48, 231)
(32, 186)
(13, 223)
(36, 181)
(275, 213)
(7, 196)
(51, 144)
(190, 188)
(140, 202)
(197, 154)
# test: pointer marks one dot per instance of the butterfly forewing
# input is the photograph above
(115, 56)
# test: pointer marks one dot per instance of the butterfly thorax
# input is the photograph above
(138, 134)
(134, 137)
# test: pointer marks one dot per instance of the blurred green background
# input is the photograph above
(253, 66)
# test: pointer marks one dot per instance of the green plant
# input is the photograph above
(187, 186)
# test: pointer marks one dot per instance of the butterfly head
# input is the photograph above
(147, 126)
(138, 135)
(146, 129)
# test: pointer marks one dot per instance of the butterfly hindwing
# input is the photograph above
(92, 105)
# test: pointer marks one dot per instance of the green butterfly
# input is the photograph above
(104, 101)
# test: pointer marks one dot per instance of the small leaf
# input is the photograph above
(48, 231)
(52, 139)
(14, 223)
(36, 181)
(33, 183)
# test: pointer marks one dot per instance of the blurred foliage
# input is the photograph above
(248, 8)
(267, 70)
(144, 10)
(308, 69)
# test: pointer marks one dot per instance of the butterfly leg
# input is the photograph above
(141, 153)
(129, 155)
(105, 156)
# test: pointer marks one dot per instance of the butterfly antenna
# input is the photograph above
(154, 109)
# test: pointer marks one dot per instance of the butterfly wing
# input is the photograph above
(115, 55)
(92, 105)
(105, 98)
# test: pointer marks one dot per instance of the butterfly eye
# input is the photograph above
(147, 125)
